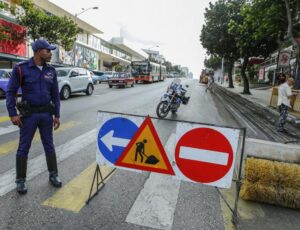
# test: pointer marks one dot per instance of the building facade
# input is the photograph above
(90, 50)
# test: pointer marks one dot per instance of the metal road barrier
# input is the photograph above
(295, 102)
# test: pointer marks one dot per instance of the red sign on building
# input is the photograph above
(12, 38)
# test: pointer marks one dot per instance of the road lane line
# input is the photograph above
(8, 129)
(156, 204)
(12, 146)
(73, 196)
(203, 155)
(4, 119)
(38, 165)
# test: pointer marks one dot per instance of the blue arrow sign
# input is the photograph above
(113, 137)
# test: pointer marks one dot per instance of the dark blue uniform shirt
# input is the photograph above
(39, 87)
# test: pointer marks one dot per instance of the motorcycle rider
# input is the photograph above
(178, 88)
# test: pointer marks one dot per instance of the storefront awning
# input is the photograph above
(10, 57)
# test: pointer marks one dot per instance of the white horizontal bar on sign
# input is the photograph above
(203, 155)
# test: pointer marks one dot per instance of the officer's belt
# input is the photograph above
(40, 109)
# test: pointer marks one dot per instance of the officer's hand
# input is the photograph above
(16, 120)
(56, 123)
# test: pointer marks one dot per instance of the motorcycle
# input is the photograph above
(172, 100)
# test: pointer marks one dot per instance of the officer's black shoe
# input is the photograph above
(54, 180)
(21, 186)
(52, 168)
(21, 168)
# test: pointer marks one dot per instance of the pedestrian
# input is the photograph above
(39, 108)
(281, 78)
(284, 96)
(211, 81)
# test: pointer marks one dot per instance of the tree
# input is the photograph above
(293, 31)
(168, 66)
(58, 30)
(214, 62)
(253, 34)
(214, 34)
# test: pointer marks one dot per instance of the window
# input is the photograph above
(4, 74)
(82, 37)
(82, 72)
(74, 72)
(94, 42)
(62, 72)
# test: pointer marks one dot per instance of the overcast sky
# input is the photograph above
(174, 25)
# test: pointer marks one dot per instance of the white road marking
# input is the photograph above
(8, 129)
(155, 206)
(203, 155)
(38, 165)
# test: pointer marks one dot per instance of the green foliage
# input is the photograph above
(171, 68)
(214, 62)
(118, 68)
(176, 68)
(214, 34)
(58, 30)
(261, 27)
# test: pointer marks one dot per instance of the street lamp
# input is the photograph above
(76, 15)
(156, 46)
(84, 10)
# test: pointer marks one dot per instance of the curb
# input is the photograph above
(291, 118)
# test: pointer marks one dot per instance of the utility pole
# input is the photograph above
(76, 15)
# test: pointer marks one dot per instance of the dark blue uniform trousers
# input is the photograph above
(43, 121)
(283, 109)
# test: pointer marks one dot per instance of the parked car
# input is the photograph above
(74, 80)
(109, 74)
(5, 74)
(121, 80)
(98, 76)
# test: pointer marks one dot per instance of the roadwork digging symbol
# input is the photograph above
(145, 151)
(140, 150)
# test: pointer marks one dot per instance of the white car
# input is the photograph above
(74, 80)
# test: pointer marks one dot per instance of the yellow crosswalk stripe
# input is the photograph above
(73, 196)
(12, 146)
(4, 119)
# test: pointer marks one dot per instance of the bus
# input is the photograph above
(148, 72)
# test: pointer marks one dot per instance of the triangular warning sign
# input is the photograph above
(145, 151)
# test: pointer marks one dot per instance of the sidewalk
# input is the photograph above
(262, 97)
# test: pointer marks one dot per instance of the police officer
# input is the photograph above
(40, 97)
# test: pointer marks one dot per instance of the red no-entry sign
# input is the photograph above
(204, 155)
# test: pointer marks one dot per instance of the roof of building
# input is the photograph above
(128, 47)
(56, 10)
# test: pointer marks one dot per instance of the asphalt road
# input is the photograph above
(129, 200)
